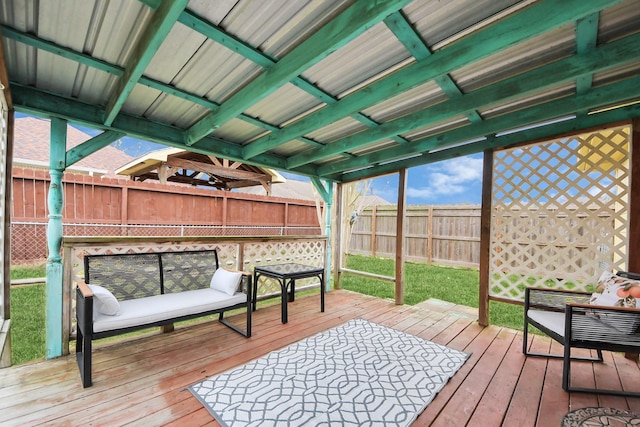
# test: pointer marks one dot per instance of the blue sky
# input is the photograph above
(448, 182)
(453, 181)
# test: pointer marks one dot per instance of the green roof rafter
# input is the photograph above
(616, 92)
(586, 39)
(338, 32)
(405, 32)
(231, 42)
(541, 17)
(115, 70)
(161, 23)
(573, 67)
(40, 103)
(606, 118)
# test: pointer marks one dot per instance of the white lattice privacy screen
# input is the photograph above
(4, 177)
(559, 212)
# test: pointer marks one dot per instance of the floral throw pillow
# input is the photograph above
(617, 291)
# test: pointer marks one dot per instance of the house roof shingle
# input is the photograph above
(32, 136)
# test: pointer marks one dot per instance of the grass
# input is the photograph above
(422, 281)
(456, 285)
(28, 310)
(27, 323)
(28, 271)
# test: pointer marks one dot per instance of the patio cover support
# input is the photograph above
(633, 262)
(54, 292)
(485, 238)
(400, 231)
(634, 199)
(5, 317)
(325, 189)
(339, 244)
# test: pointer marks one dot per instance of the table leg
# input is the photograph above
(283, 300)
(321, 292)
(292, 292)
(255, 290)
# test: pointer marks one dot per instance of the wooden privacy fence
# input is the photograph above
(101, 206)
(441, 234)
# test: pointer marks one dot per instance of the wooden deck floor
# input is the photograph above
(142, 381)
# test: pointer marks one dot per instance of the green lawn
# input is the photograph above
(457, 285)
(27, 323)
(422, 281)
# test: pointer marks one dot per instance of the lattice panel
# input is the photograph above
(560, 212)
(310, 252)
(3, 182)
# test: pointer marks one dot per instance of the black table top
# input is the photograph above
(290, 268)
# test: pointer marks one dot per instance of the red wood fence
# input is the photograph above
(97, 206)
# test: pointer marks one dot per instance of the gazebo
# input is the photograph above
(337, 91)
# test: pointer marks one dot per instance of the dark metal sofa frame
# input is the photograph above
(130, 276)
(583, 329)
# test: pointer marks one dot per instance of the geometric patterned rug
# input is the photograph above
(359, 373)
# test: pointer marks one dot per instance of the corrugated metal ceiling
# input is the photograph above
(253, 81)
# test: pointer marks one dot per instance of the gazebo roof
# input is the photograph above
(340, 90)
(185, 167)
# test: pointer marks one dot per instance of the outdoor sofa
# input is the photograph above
(126, 292)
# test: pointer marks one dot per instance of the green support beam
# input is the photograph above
(411, 39)
(161, 23)
(548, 132)
(603, 58)
(40, 103)
(586, 39)
(325, 188)
(54, 285)
(115, 70)
(540, 17)
(89, 147)
(614, 93)
(338, 32)
(231, 42)
(64, 52)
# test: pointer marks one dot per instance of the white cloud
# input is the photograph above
(447, 178)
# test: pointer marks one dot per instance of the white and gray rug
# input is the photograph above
(360, 373)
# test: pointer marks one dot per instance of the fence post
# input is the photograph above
(124, 209)
(373, 230)
(485, 238)
(430, 235)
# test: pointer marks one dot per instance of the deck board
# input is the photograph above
(142, 380)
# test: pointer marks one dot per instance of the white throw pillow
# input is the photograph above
(105, 301)
(226, 281)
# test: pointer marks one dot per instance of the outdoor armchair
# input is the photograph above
(577, 320)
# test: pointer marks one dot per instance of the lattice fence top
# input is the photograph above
(559, 212)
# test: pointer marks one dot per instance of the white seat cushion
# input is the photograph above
(141, 311)
(551, 320)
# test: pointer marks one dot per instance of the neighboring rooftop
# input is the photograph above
(303, 190)
(31, 149)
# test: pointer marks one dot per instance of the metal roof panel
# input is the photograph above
(364, 58)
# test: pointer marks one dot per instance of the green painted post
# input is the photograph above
(327, 231)
(326, 192)
(57, 153)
